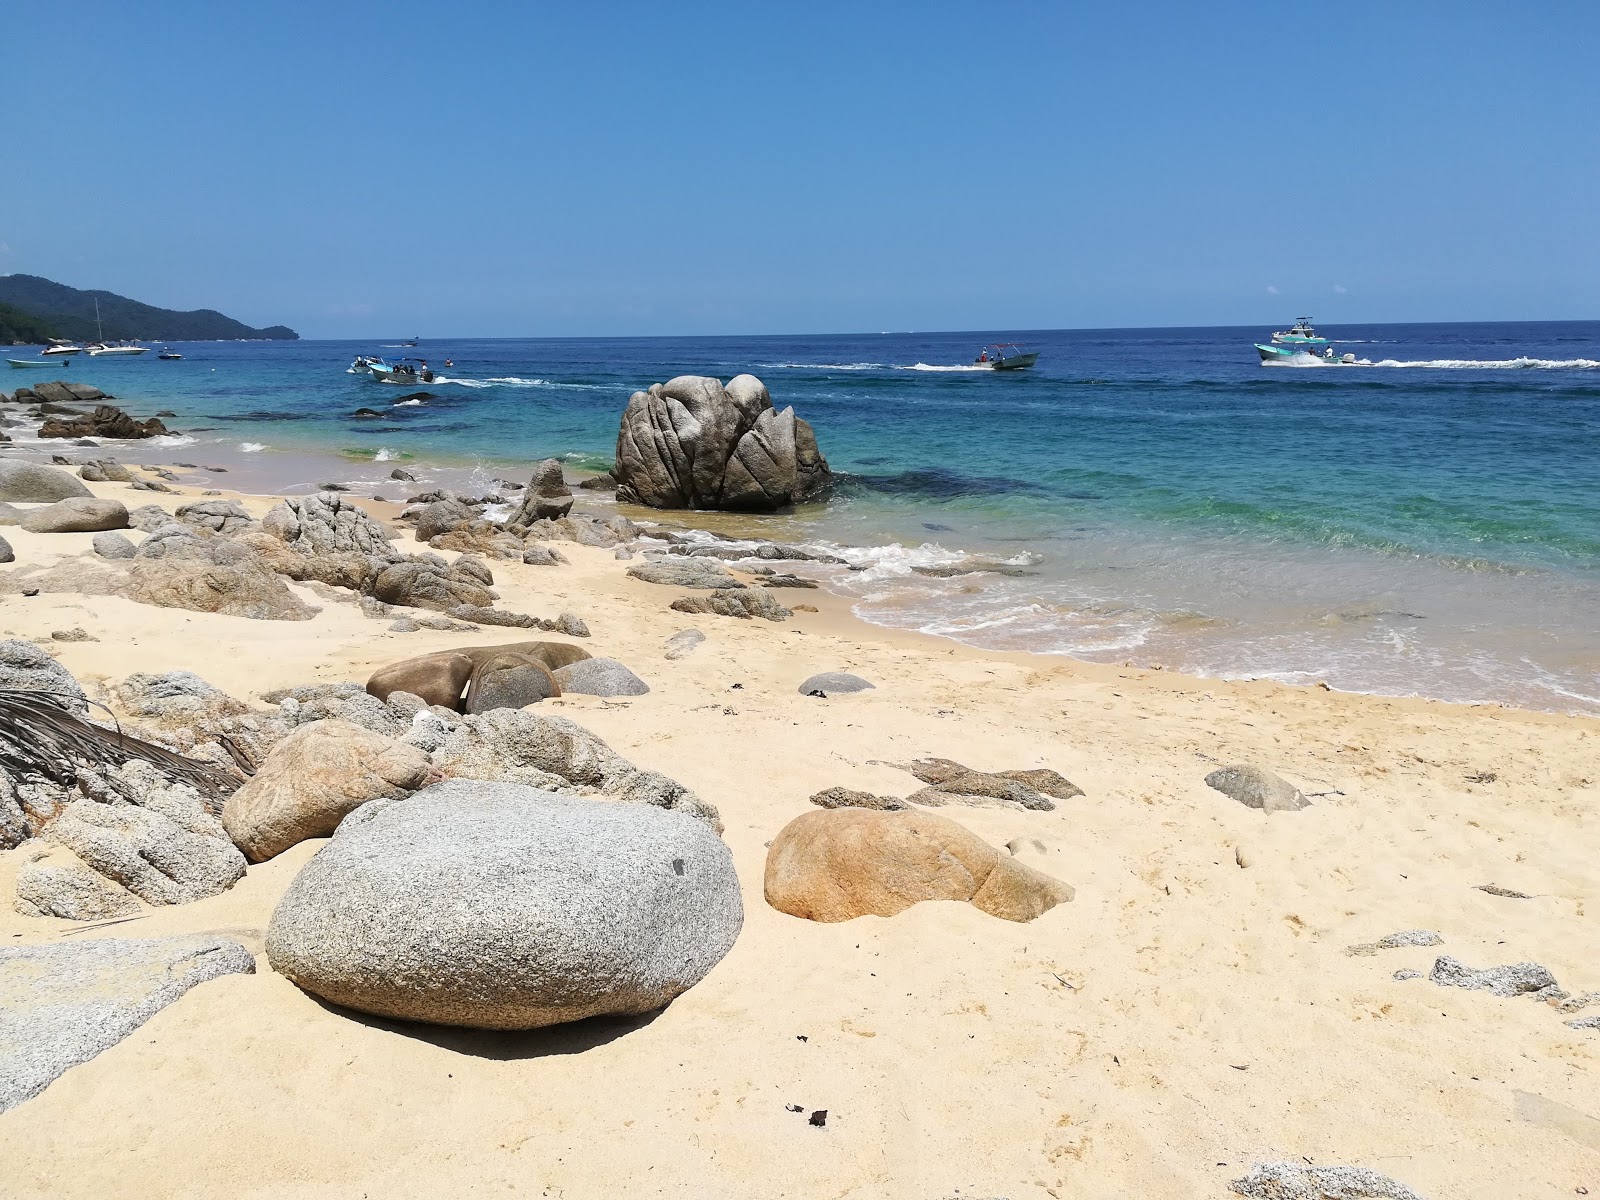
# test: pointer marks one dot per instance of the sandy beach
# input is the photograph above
(1192, 1012)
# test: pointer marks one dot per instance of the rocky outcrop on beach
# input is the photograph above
(496, 906)
(456, 678)
(689, 573)
(66, 1002)
(106, 421)
(547, 497)
(829, 683)
(59, 391)
(55, 882)
(691, 443)
(35, 483)
(951, 783)
(600, 677)
(313, 779)
(838, 864)
(742, 602)
(326, 524)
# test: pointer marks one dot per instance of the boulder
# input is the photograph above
(113, 545)
(55, 882)
(689, 573)
(149, 517)
(90, 473)
(542, 556)
(327, 524)
(34, 483)
(245, 589)
(691, 443)
(849, 862)
(313, 779)
(148, 852)
(10, 514)
(585, 530)
(443, 677)
(442, 516)
(831, 683)
(547, 497)
(502, 907)
(600, 677)
(7, 554)
(113, 471)
(64, 1002)
(420, 583)
(77, 514)
(509, 681)
(106, 421)
(24, 667)
(950, 782)
(1255, 787)
(743, 603)
(219, 516)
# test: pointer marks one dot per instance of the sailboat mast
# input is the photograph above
(99, 328)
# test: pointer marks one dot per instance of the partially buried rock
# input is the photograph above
(55, 882)
(600, 677)
(744, 604)
(405, 625)
(24, 667)
(687, 572)
(1518, 979)
(951, 782)
(77, 514)
(839, 797)
(113, 545)
(1297, 1181)
(245, 589)
(834, 682)
(497, 906)
(683, 643)
(160, 859)
(63, 1003)
(313, 779)
(1255, 787)
(852, 862)
(220, 516)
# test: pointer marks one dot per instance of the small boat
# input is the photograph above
(24, 363)
(1299, 334)
(1302, 356)
(364, 363)
(168, 354)
(414, 340)
(407, 371)
(1006, 356)
(61, 348)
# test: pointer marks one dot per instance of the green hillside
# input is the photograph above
(70, 312)
(18, 328)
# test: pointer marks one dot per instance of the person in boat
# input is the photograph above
(449, 362)
(983, 356)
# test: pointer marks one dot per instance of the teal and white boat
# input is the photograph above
(1302, 356)
(1299, 334)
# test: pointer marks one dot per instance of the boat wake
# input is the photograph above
(516, 381)
(797, 366)
(1497, 364)
(922, 366)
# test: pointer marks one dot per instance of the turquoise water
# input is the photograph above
(1428, 523)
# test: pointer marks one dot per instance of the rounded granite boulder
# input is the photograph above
(77, 514)
(831, 683)
(499, 906)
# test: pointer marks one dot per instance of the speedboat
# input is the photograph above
(24, 363)
(407, 371)
(364, 363)
(1005, 356)
(168, 354)
(1302, 356)
(60, 348)
(1299, 334)
(100, 350)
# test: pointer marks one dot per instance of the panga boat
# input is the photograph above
(1006, 356)
(1299, 334)
(169, 354)
(406, 371)
(23, 363)
(1302, 356)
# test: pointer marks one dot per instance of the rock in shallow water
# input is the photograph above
(497, 906)
(62, 1004)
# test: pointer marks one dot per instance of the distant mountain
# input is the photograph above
(70, 313)
(18, 328)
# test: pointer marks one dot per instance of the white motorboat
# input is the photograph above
(99, 349)
(407, 371)
(364, 365)
(1299, 334)
(60, 348)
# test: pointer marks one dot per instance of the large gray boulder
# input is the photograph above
(1256, 787)
(497, 906)
(242, 589)
(691, 443)
(63, 1003)
(326, 524)
(77, 514)
(422, 583)
(25, 667)
(161, 857)
(113, 545)
(547, 497)
(219, 516)
(35, 483)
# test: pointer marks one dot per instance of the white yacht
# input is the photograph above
(100, 348)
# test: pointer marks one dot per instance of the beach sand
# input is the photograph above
(1190, 1013)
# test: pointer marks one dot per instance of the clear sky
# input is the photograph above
(529, 169)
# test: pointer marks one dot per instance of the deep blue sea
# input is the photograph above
(1426, 524)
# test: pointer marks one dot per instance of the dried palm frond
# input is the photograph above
(39, 737)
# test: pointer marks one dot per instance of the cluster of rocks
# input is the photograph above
(692, 443)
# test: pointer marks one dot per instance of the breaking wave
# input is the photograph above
(251, 447)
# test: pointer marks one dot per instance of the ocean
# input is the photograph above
(1425, 524)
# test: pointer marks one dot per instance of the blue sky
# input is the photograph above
(544, 169)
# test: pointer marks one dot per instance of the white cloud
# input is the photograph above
(1340, 288)
(1271, 290)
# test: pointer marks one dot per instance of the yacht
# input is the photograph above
(100, 348)
(1299, 334)
(60, 348)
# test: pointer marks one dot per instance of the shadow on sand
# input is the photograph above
(504, 1045)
